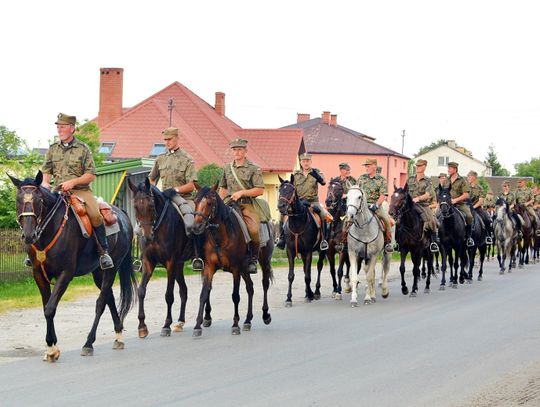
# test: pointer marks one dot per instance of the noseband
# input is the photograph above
(156, 221)
(207, 218)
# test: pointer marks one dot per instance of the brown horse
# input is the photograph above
(165, 242)
(225, 247)
(57, 249)
(526, 242)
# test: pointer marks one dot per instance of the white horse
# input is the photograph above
(366, 241)
(505, 236)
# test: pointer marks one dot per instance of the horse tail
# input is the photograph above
(128, 286)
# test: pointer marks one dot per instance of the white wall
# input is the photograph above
(466, 164)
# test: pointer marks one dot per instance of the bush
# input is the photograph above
(208, 175)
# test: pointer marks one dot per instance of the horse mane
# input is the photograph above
(223, 211)
(48, 196)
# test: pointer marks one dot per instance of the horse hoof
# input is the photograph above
(442, 288)
(373, 300)
(427, 291)
(307, 300)
(454, 285)
(117, 345)
(367, 302)
(480, 278)
(165, 332)
(178, 327)
(317, 296)
(246, 327)
(267, 320)
(354, 304)
(197, 332)
(207, 322)
(385, 295)
(520, 266)
(338, 297)
(52, 356)
(501, 272)
(413, 294)
(87, 352)
(288, 304)
(143, 332)
(405, 291)
(235, 330)
(347, 290)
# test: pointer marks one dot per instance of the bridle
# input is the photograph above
(402, 209)
(332, 197)
(289, 201)
(207, 218)
(156, 220)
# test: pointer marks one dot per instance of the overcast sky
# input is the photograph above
(462, 70)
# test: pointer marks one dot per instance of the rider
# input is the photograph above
(422, 193)
(510, 199)
(69, 161)
(477, 196)
(243, 181)
(525, 197)
(345, 179)
(459, 191)
(536, 194)
(176, 169)
(376, 190)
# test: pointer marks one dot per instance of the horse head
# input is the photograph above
(207, 203)
(145, 196)
(356, 203)
(334, 195)
(445, 202)
(31, 206)
(400, 201)
(287, 197)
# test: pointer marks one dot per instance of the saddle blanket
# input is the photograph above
(264, 233)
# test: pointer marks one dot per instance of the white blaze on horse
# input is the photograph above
(365, 241)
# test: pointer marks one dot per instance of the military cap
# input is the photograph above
(370, 161)
(489, 193)
(305, 156)
(522, 179)
(169, 133)
(443, 174)
(344, 166)
(421, 162)
(472, 174)
(238, 143)
(453, 164)
(506, 183)
(65, 119)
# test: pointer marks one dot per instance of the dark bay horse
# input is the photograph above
(57, 249)
(506, 235)
(526, 242)
(410, 238)
(225, 248)
(336, 205)
(165, 242)
(452, 235)
(302, 238)
(479, 233)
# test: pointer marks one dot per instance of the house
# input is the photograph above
(205, 130)
(439, 157)
(330, 144)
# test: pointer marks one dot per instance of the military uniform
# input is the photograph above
(418, 187)
(489, 202)
(345, 182)
(307, 187)
(458, 187)
(524, 195)
(509, 197)
(373, 188)
(475, 194)
(536, 203)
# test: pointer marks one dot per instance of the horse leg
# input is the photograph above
(423, 269)
(204, 298)
(403, 256)
(290, 256)
(118, 325)
(483, 250)
(306, 259)
(332, 263)
(370, 280)
(385, 269)
(147, 271)
(444, 262)
(429, 261)
(346, 278)
(416, 259)
(169, 296)
(320, 264)
(249, 289)
(52, 353)
(183, 292)
(266, 267)
(472, 257)
(343, 259)
(353, 277)
(235, 330)
(207, 321)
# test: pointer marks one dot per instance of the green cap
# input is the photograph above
(453, 164)
(169, 133)
(65, 119)
(370, 161)
(344, 166)
(472, 174)
(421, 162)
(305, 156)
(238, 143)
(443, 174)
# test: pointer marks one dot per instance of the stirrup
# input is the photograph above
(105, 261)
(389, 248)
(197, 264)
(434, 247)
(538, 232)
(489, 240)
(470, 242)
(27, 262)
(252, 266)
(137, 265)
(323, 245)
(280, 244)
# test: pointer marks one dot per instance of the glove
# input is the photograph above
(169, 193)
(316, 175)
(373, 207)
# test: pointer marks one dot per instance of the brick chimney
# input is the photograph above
(220, 103)
(333, 120)
(325, 117)
(302, 117)
(111, 85)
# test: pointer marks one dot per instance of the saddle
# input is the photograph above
(316, 217)
(264, 231)
(79, 210)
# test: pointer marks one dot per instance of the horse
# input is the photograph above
(365, 242)
(506, 235)
(452, 236)
(58, 249)
(479, 233)
(335, 205)
(164, 241)
(526, 241)
(225, 247)
(410, 238)
(302, 238)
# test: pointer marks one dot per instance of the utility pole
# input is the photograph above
(402, 140)
(170, 107)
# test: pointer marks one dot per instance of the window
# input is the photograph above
(157, 149)
(106, 148)
(443, 161)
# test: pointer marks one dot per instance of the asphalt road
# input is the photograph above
(438, 349)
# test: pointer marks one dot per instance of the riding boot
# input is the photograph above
(435, 241)
(388, 248)
(468, 233)
(254, 249)
(105, 261)
(324, 243)
(280, 244)
(189, 219)
(197, 264)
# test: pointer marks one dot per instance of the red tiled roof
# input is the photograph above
(204, 134)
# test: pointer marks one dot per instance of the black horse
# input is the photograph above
(336, 204)
(225, 248)
(479, 233)
(452, 235)
(302, 238)
(164, 241)
(527, 229)
(57, 249)
(410, 238)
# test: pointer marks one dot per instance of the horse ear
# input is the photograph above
(395, 186)
(39, 178)
(147, 183)
(281, 180)
(15, 181)
(131, 185)
(215, 186)
(349, 185)
(292, 179)
(406, 187)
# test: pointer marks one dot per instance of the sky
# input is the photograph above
(461, 70)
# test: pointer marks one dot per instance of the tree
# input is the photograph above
(10, 144)
(88, 132)
(8, 211)
(435, 144)
(209, 174)
(529, 169)
(496, 167)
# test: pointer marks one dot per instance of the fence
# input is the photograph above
(12, 255)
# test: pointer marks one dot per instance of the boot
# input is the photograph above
(189, 219)
(252, 265)
(435, 241)
(468, 231)
(280, 244)
(388, 247)
(197, 264)
(105, 261)
(324, 243)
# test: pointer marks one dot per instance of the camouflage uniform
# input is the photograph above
(374, 188)
(418, 188)
(343, 183)
(524, 195)
(458, 187)
(307, 189)
(475, 194)
(536, 203)
(509, 198)
(489, 203)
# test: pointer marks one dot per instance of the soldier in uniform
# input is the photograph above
(70, 163)
(376, 190)
(510, 199)
(536, 194)
(344, 177)
(242, 180)
(477, 196)
(177, 172)
(423, 194)
(459, 191)
(525, 197)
